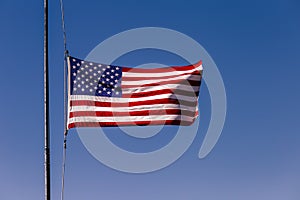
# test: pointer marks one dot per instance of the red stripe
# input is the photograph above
(180, 81)
(137, 123)
(129, 104)
(162, 91)
(162, 70)
(142, 77)
(132, 113)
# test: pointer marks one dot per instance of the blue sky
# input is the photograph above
(256, 46)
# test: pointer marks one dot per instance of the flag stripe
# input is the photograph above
(133, 113)
(163, 70)
(179, 78)
(148, 77)
(129, 104)
(137, 123)
(131, 118)
(132, 108)
(187, 88)
(178, 81)
(163, 91)
(152, 99)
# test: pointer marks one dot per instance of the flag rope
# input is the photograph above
(64, 165)
(66, 54)
(63, 27)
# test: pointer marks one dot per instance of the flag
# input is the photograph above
(109, 95)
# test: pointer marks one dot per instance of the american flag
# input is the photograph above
(108, 95)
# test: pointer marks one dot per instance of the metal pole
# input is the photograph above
(46, 105)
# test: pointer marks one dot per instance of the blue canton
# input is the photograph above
(89, 78)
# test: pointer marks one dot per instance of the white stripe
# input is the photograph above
(134, 108)
(127, 100)
(159, 74)
(142, 82)
(188, 88)
(131, 118)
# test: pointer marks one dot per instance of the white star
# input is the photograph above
(90, 70)
(82, 89)
(74, 74)
(82, 76)
(82, 62)
(91, 63)
(108, 67)
(78, 85)
(95, 74)
(107, 73)
(117, 93)
(103, 75)
(99, 72)
(86, 73)
(99, 65)
(116, 80)
(87, 86)
(108, 92)
(95, 68)
(112, 70)
(74, 67)
(107, 79)
(99, 91)
(86, 66)
(91, 83)
(74, 60)
(74, 81)
(75, 89)
(111, 83)
(116, 74)
(78, 78)
(82, 82)
(86, 79)
(91, 90)
(104, 89)
(103, 82)
(111, 76)
(91, 77)
(117, 68)
(103, 69)
(78, 64)
(95, 88)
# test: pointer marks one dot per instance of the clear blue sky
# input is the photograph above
(256, 46)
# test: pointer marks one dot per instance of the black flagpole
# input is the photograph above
(46, 105)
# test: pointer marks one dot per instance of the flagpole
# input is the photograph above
(46, 105)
